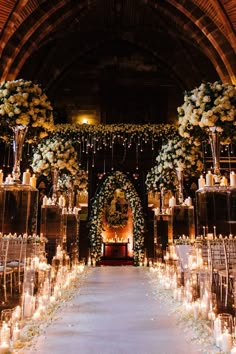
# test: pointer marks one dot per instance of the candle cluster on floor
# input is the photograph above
(198, 311)
(45, 287)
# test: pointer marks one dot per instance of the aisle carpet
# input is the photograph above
(114, 312)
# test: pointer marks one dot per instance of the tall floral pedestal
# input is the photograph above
(216, 210)
(181, 222)
(53, 227)
(18, 209)
(161, 232)
(72, 236)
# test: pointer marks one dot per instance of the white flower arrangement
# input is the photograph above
(209, 105)
(117, 180)
(55, 153)
(178, 153)
(77, 182)
(24, 103)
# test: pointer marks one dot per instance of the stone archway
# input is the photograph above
(116, 180)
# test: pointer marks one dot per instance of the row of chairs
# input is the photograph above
(222, 266)
(13, 253)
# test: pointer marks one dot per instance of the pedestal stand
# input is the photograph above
(216, 210)
(18, 209)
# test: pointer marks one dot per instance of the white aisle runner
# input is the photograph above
(114, 312)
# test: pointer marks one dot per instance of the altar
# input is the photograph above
(115, 250)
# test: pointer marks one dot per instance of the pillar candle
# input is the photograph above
(45, 200)
(26, 177)
(61, 201)
(27, 307)
(16, 333)
(224, 181)
(1, 177)
(172, 202)
(226, 342)
(33, 181)
(233, 179)
(4, 348)
(5, 333)
(201, 182)
(189, 201)
(8, 179)
(209, 179)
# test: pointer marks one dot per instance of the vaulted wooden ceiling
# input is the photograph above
(78, 46)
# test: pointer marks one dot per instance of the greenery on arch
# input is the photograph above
(116, 180)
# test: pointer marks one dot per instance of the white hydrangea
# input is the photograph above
(211, 104)
(55, 153)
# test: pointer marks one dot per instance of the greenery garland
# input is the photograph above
(117, 180)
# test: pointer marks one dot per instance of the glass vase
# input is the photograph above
(55, 175)
(162, 200)
(214, 139)
(180, 178)
(19, 133)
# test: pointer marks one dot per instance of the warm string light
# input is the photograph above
(112, 157)
(229, 157)
(204, 152)
(8, 159)
(4, 157)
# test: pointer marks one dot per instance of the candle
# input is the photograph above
(28, 305)
(201, 182)
(196, 310)
(224, 181)
(4, 348)
(8, 179)
(1, 177)
(16, 333)
(37, 315)
(210, 236)
(189, 201)
(45, 200)
(5, 333)
(232, 179)
(52, 299)
(33, 181)
(214, 228)
(209, 179)
(61, 201)
(172, 202)
(226, 342)
(26, 177)
(211, 316)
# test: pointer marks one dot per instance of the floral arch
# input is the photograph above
(116, 180)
